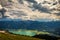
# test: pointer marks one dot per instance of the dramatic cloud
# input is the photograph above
(39, 10)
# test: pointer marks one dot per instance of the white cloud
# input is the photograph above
(32, 15)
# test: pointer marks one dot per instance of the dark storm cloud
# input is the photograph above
(39, 7)
(58, 14)
(32, 1)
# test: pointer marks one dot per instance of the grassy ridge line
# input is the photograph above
(7, 36)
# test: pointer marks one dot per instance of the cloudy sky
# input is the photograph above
(39, 10)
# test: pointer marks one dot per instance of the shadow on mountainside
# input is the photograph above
(47, 37)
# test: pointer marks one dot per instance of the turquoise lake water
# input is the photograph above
(23, 32)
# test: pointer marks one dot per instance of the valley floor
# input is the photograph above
(7, 36)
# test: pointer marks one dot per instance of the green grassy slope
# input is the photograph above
(7, 36)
